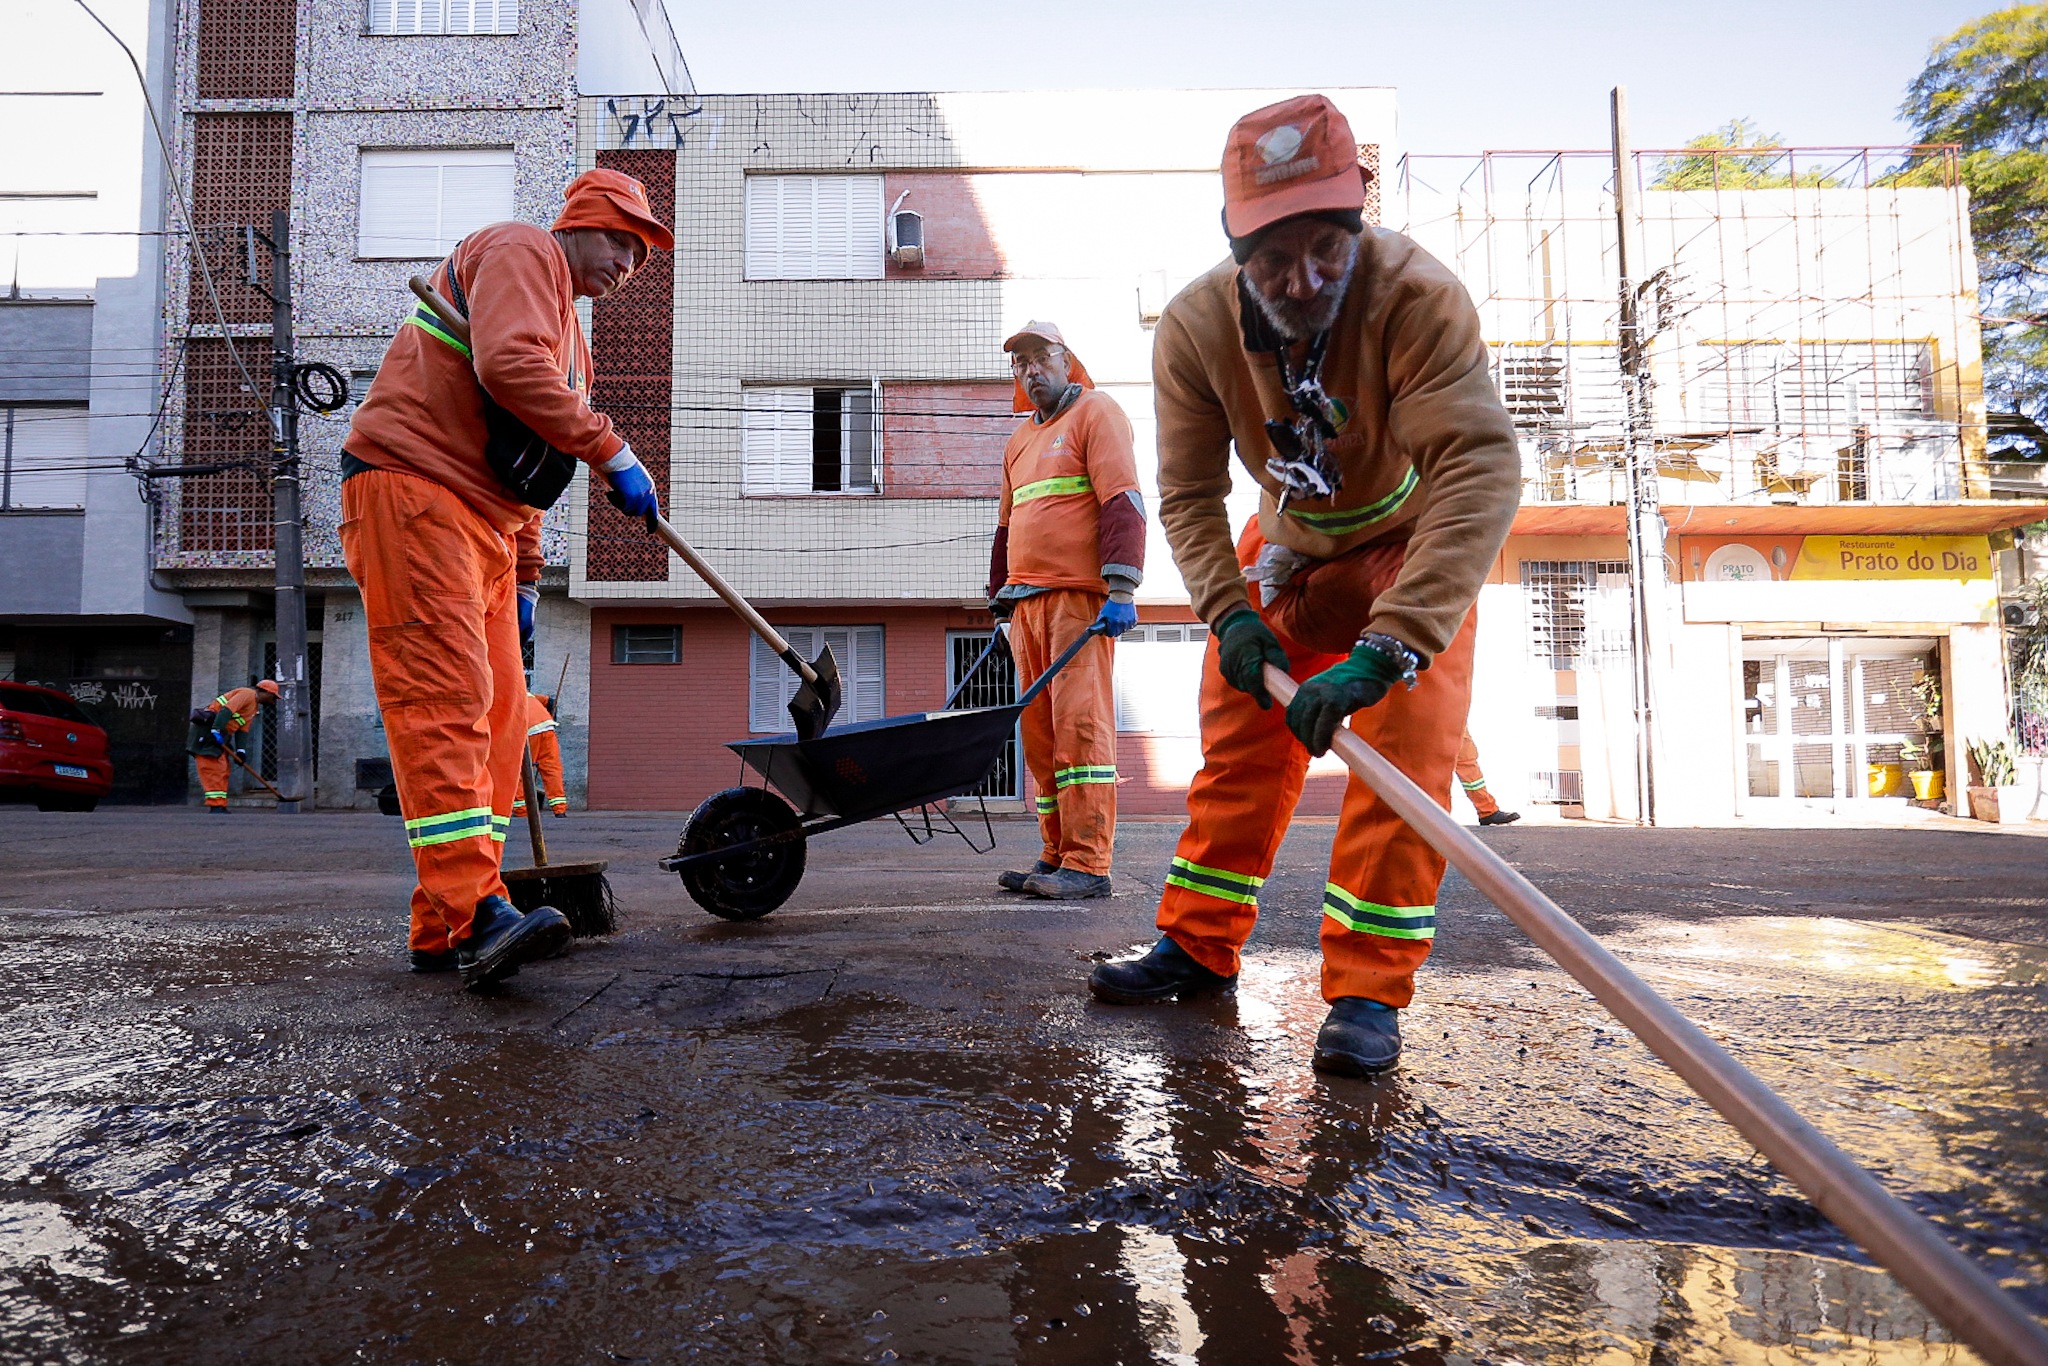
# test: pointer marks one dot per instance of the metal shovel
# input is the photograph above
(817, 701)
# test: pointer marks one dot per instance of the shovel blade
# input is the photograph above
(814, 707)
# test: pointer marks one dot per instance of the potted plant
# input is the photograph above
(1925, 754)
(2000, 800)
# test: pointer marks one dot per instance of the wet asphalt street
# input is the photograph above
(888, 1124)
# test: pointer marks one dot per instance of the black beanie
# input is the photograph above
(1241, 248)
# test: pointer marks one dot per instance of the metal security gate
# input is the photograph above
(994, 686)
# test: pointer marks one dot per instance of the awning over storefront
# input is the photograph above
(1976, 517)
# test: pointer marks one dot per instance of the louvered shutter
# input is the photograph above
(401, 209)
(49, 447)
(814, 227)
(473, 196)
(771, 684)
(775, 440)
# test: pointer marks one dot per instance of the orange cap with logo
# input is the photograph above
(1049, 333)
(1290, 158)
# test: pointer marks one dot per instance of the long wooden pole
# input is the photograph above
(1954, 1289)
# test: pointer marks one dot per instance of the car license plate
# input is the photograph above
(70, 771)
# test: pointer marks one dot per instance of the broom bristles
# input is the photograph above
(585, 901)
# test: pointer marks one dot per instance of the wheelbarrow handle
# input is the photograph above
(995, 638)
(1095, 628)
(659, 525)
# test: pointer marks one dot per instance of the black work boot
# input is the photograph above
(500, 939)
(1500, 818)
(1067, 884)
(1166, 972)
(1014, 882)
(426, 960)
(1360, 1038)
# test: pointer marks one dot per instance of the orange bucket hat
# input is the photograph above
(1290, 158)
(1077, 373)
(269, 686)
(613, 199)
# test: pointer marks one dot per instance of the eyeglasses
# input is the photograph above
(1019, 363)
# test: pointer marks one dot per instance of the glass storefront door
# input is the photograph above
(1826, 719)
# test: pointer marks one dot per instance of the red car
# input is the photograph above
(49, 751)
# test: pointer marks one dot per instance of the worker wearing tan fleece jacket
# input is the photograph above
(449, 464)
(1346, 367)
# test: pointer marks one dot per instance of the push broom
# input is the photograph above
(580, 891)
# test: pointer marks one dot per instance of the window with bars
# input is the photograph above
(993, 685)
(647, 644)
(1578, 612)
(443, 16)
(43, 452)
(771, 683)
(418, 205)
(812, 440)
(809, 227)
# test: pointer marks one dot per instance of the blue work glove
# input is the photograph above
(1244, 646)
(529, 594)
(632, 490)
(1321, 705)
(1115, 618)
(218, 738)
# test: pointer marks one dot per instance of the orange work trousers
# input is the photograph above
(547, 767)
(1472, 780)
(214, 772)
(438, 594)
(1070, 731)
(1379, 905)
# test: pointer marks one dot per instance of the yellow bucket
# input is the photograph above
(1886, 780)
(1928, 784)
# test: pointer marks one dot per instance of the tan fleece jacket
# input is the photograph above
(424, 414)
(1428, 453)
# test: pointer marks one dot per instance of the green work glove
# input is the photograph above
(1243, 647)
(1321, 705)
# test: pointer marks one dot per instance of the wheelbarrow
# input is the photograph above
(742, 851)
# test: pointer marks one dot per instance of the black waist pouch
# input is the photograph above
(530, 469)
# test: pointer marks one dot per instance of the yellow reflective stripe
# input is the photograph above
(1048, 488)
(424, 319)
(452, 825)
(1220, 883)
(1083, 773)
(542, 728)
(1048, 805)
(1369, 917)
(1354, 519)
(1474, 785)
(216, 794)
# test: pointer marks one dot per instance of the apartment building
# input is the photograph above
(388, 129)
(833, 397)
(82, 218)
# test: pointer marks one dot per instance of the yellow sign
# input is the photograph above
(1894, 557)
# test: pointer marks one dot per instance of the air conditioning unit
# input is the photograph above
(906, 237)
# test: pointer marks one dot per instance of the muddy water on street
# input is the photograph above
(691, 1151)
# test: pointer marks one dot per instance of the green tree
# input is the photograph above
(1725, 161)
(1985, 87)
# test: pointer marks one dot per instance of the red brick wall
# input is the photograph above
(658, 731)
(945, 440)
(959, 243)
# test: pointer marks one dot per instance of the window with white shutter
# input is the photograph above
(814, 227)
(42, 456)
(418, 205)
(811, 440)
(443, 16)
(771, 684)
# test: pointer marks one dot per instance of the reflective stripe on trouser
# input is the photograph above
(1070, 731)
(213, 777)
(438, 595)
(1472, 780)
(1379, 903)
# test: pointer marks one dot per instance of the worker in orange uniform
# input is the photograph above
(1069, 553)
(1474, 783)
(1347, 368)
(233, 710)
(546, 748)
(448, 465)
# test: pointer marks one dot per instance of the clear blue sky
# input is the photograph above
(1474, 75)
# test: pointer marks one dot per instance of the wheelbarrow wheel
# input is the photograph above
(746, 886)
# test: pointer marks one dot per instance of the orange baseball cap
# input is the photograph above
(1077, 373)
(1294, 157)
(613, 199)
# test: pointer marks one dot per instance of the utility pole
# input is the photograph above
(1645, 517)
(294, 702)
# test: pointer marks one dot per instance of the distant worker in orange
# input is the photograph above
(546, 748)
(1069, 552)
(447, 468)
(233, 710)
(1474, 783)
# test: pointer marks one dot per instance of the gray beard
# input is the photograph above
(1298, 322)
